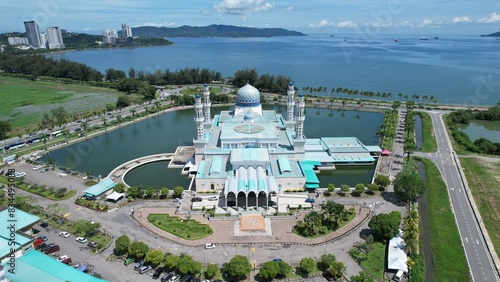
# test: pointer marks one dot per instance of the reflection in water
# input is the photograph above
(482, 128)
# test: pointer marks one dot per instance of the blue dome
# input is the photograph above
(248, 116)
(291, 83)
(301, 95)
(247, 96)
(197, 96)
(206, 84)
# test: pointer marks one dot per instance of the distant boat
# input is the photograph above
(423, 38)
(436, 37)
(396, 40)
(332, 35)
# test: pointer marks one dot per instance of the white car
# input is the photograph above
(82, 240)
(20, 174)
(64, 234)
(37, 167)
(209, 246)
(61, 258)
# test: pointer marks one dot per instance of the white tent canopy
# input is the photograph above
(397, 258)
(115, 196)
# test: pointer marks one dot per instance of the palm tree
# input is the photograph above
(157, 105)
(65, 132)
(409, 147)
(146, 110)
(104, 121)
(85, 125)
(411, 230)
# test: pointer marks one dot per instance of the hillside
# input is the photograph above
(495, 34)
(211, 31)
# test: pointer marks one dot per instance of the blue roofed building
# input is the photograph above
(249, 154)
(100, 188)
(16, 233)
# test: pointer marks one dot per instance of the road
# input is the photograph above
(480, 263)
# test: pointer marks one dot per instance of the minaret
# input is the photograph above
(199, 140)
(299, 140)
(291, 102)
(206, 102)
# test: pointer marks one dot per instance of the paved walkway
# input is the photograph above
(223, 229)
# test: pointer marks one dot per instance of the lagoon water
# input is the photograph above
(455, 69)
(163, 133)
(482, 128)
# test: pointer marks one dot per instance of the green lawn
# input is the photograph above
(375, 263)
(428, 139)
(199, 90)
(24, 101)
(448, 255)
(47, 192)
(186, 229)
(484, 182)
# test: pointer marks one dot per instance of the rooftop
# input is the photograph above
(101, 187)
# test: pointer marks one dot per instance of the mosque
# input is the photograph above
(249, 154)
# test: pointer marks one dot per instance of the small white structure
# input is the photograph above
(396, 257)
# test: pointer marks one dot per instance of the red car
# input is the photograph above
(66, 260)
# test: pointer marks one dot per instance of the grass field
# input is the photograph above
(483, 177)
(375, 263)
(24, 101)
(187, 229)
(448, 255)
(428, 139)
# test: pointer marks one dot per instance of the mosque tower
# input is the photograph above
(290, 104)
(299, 140)
(206, 106)
(199, 140)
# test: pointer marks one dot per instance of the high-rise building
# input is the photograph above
(43, 37)
(33, 34)
(109, 36)
(54, 38)
(18, 40)
(126, 31)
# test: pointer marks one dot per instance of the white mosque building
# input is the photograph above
(249, 154)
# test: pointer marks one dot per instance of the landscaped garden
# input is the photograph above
(185, 228)
(332, 217)
(42, 190)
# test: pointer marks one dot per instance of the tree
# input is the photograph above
(164, 192)
(60, 115)
(362, 276)
(283, 268)
(307, 265)
(178, 190)
(123, 101)
(344, 188)
(268, 270)
(331, 187)
(187, 265)
(211, 270)
(121, 245)
(171, 262)
(85, 227)
(373, 187)
(120, 188)
(138, 250)
(238, 267)
(411, 230)
(5, 128)
(154, 257)
(360, 188)
(382, 181)
(336, 269)
(386, 225)
(408, 186)
(326, 261)
(409, 147)
(57, 209)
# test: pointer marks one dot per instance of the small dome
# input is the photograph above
(197, 96)
(206, 84)
(291, 83)
(250, 145)
(247, 96)
(301, 95)
(248, 116)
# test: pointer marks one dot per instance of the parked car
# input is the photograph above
(277, 260)
(81, 240)
(196, 199)
(44, 238)
(92, 244)
(61, 258)
(44, 224)
(167, 277)
(52, 249)
(37, 243)
(64, 234)
(138, 265)
(186, 278)
(175, 278)
(42, 247)
(20, 174)
(328, 276)
(128, 261)
(209, 246)
(157, 273)
(144, 269)
(213, 198)
(37, 167)
(44, 170)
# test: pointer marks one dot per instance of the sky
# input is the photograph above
(308, 16)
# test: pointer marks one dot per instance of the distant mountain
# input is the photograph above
(496, 34)
(211, 31)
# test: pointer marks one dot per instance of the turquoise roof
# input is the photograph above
(216, 167)
(284, 165)
(21, 220)
(102, 187)
(312, 180)
(36, 266)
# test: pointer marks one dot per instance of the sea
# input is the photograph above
(454, 69)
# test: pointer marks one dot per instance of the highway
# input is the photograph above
(478, 256)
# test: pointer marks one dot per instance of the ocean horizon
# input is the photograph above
(458, 69)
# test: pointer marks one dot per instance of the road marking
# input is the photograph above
(467, 239)
(477, 242)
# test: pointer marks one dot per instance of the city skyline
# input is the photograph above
(316, 16)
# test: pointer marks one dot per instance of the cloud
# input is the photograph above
(243, 7)
(289, 8)
(348, 24)
(205, 12)
(322, 23)
(90, 29)
(405, 23)
(460, 20)
(425, 23)
(163, 24)
(494, 18)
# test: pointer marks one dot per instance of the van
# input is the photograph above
(166, 277)
(186, 278)
(52, 249)
(144, 269)
(398, 276)
(157, 273)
